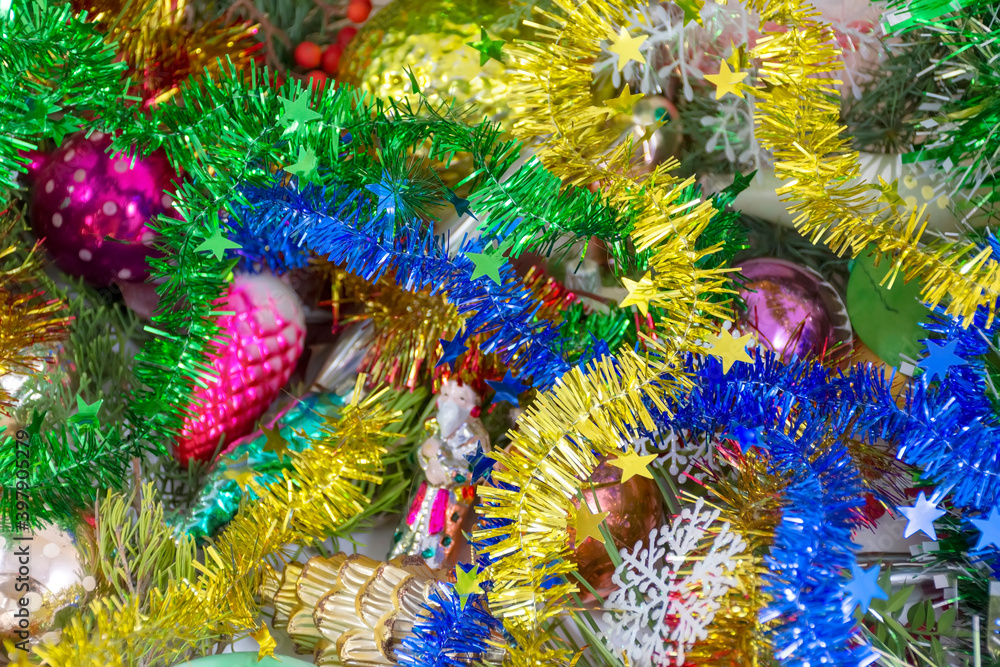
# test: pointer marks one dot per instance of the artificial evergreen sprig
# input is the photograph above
(96, 360)
(134, 550)
(885, 118)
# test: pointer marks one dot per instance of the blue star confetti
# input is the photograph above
(388, 194)
(940, 359)
(864, 586)
(481, 465)
(989, 530)
(921, 517)
(452, 349)
(506, 390)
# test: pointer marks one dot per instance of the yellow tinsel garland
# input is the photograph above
(155, 39)
(552, 446)
(798, 119)
(27, 317)
(319, 493)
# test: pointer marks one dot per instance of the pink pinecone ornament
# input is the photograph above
(266, 337)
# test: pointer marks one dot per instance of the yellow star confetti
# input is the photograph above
(623, 103)
(266, 642)
(627, 48)
(639, 293)
(632, 464)
(243, 475)
(467, 583)
(726, 81)
(729, 349)
(890, 192)
(276, 443)
(589, 525)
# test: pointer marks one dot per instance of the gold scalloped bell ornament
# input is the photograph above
(350, 610)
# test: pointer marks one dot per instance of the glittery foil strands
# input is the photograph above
(431, 40)
(553, 83)
(406, 329)
(750, 499)
(957, 131)
(524, 516)
(160, 49)
(798, 124)
(32, 324)
(406, 326)
(327, 483)
(265, 338)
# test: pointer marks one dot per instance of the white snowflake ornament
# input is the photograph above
(668, 592)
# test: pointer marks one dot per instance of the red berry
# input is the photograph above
(345, 36)
(358, 12)
(317, 78)
(307, 55)
(331, 58)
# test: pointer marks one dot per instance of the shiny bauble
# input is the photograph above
(93, 208)
(263, 341)
(792, 310)
(431, 40)
(38, 577)
(636, 507)
(245, 659)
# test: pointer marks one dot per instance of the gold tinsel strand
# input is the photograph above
(408, 327)
(319, 493)
(27, 318)
(159, 45)
(798, 120)
(552, 87)
(552, 449)
(750, 500)
(552, 453)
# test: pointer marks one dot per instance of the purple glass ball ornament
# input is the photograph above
(792, 310)
(93, 209)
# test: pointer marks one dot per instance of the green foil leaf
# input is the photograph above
(886, 320)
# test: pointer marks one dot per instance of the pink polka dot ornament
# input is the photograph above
(265, 339)
(93, 208)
